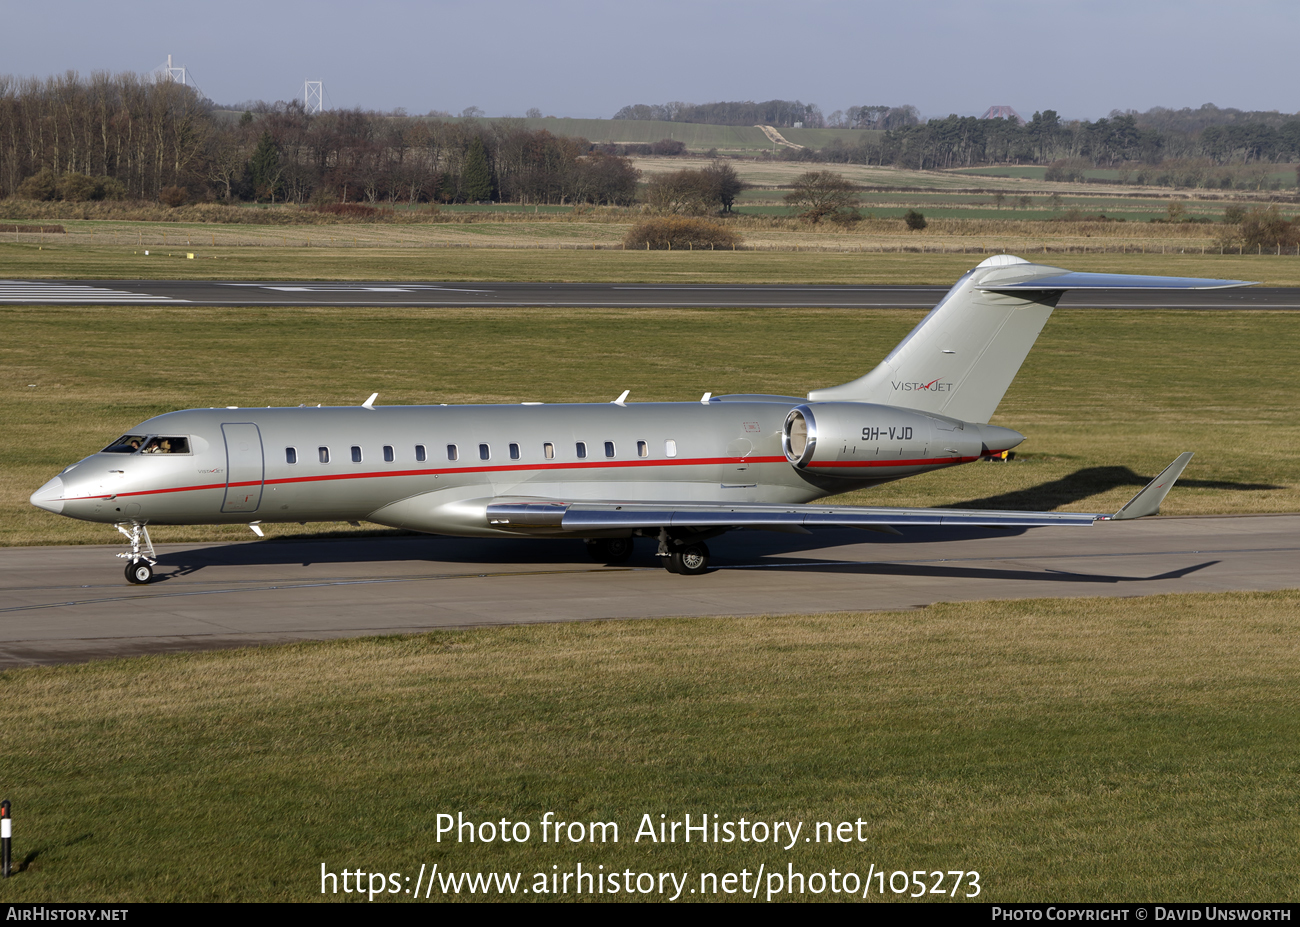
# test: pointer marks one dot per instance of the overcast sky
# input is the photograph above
(588, 58)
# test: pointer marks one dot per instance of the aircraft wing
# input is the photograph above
(605, 516)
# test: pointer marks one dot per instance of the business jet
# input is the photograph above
(677, 474)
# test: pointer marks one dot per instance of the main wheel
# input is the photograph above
(610, 550)
(691, 560)
(619, 550)
(139, 572)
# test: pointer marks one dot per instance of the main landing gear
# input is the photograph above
(688, 560)
(686, 557)
(611, 551)
(141, 559)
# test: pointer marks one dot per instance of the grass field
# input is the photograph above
(1104, 396)
(879, 251)
(1089, 749)
(1092, 749)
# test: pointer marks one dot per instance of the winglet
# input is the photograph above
(370, 403)
(1147, 502)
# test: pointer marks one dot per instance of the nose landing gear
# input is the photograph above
(140, 562)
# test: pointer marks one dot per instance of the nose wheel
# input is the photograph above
(140, 561)
(139, 573)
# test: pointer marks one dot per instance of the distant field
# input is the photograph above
(697, 137)
(1066, 750)
(783, 173)
(1282, 172)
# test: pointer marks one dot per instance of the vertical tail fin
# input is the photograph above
(961, 358)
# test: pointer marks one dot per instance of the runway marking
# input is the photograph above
(18, 291)
(355, 288)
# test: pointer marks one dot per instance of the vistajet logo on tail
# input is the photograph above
(933, 386)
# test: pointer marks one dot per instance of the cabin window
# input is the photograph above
(356, 453)
(582, 449)
(609, 448)
(514, 452)
(670, 448)
(548, 450)
(291, 455)
(642, 449)
(324, 454)
(388, 453)
(419, 452)
(484, 452)
(452, 453)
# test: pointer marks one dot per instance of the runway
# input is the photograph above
(71, 604)
(601, 295)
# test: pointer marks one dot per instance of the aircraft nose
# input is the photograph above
(50, 496)
(996, 438)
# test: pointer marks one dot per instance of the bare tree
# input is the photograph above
(823, 195)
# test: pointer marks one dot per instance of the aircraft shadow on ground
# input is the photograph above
(362, 551)
(1088, 482)
(740, 546)
(954, 572)
(763, 551)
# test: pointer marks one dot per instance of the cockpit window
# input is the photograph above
(127, 444)
(162, 444)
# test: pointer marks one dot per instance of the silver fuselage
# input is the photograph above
(732, 449)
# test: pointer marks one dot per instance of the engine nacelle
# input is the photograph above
(859, 440)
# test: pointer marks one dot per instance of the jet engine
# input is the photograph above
(859, 440)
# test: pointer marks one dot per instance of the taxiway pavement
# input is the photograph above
(70, 604)
(600, 295)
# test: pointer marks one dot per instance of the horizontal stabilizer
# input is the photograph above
(1147, 502)
(1072, 280)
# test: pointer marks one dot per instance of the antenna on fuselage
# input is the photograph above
(370, 403)
(622, 398)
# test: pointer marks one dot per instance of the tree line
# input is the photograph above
(1140, 153)
(114, 136)
(126, 135)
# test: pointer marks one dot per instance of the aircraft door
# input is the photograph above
(244, 468)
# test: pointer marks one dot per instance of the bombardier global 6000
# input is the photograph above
(676, 473)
